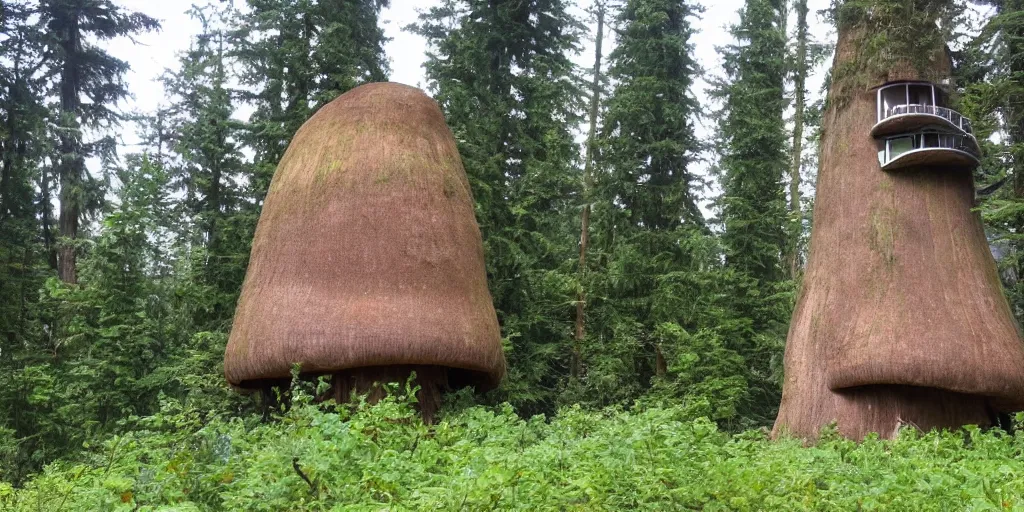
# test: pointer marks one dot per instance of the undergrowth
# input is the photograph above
(359, 457)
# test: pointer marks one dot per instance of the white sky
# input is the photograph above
(155, 52)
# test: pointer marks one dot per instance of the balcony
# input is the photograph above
(931, 149)
(910, 118)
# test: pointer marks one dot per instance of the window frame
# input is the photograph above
(879, 113)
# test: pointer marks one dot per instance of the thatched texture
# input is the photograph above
(901, 319)
(367, 253)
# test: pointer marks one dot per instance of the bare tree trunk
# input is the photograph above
(799, 85)
(588, 185)
(6, 176)
(72, 164)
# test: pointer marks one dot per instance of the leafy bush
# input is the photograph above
(361, 457)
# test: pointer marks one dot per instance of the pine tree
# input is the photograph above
(649, 140)
(203, 135)
(501, 72)
(753, 164)
(647, 215)
(657, 321)
(90, 85)
(752, 146)
(23, 256)
(296, 55)
(992, 74)
(22, 136)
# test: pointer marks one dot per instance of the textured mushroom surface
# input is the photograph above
(901, 319)
(367, 252)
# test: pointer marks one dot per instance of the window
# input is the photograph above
(890, 97)
(891, 149)
(910, 97)
(900, 145)
(919, 94)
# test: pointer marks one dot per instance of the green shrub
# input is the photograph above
(360, 457)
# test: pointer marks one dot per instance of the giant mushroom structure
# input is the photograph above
(901, 319)
(367, 263)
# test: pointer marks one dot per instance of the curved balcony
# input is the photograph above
(913, 117)
(928, 149)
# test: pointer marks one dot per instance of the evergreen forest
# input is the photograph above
(645, 223)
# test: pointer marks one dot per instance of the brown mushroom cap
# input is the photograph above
(902, 317)
(367, 252)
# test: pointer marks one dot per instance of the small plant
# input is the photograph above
(383, 457)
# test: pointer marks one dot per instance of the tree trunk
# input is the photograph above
(588, 185)
(799, 85)
(6, 177)
(372, 382)
(72, 163)
(901, 319)
(47, 221)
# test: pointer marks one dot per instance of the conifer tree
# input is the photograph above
(753, 162)
(753, 165)
(753, 141)
(649, 140)
(22, 132)
(502, 74)
(23, 256)
(211, 170)
(649, 229)
(91, 82)
(296, 55)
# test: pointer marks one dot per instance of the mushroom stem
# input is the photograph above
(431, 380)
(884, 409)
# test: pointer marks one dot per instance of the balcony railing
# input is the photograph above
(950, 115)
(928, 148)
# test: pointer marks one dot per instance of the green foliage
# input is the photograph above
(217, 215)
(91, 83)
(295, 56)
(752, 143)
(992, 72)
(371, 458)
(118, 335)
(22, 125)
(145, 309)
(649, 145)
(890, 35)
(701, 368)
(655, 283)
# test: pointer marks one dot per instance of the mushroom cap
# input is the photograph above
(367, 252)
